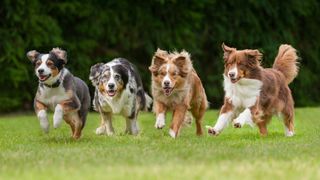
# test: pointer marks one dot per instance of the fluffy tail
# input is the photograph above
(149, 103)
(287, 62)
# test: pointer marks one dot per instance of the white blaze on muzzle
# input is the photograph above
(43, 66)
(166, 77)
(233, 70)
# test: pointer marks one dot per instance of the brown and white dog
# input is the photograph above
(58, 90)
(253, 93)
(176, 86)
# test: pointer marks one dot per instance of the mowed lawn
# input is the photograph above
(27, 153)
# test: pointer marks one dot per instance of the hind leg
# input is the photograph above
(75, 123)
(262, 124)
(288, 119)
(198, 114)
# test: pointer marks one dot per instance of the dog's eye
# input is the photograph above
(49, 63)
(117, 77)
(38, 63)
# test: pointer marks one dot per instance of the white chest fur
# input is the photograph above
(244, 93)
(52, 96)
(118, 105)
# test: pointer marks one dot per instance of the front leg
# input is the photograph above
(41, 111)
(225, 116)
(106, 124)
(160, 110)
(179, 114)
(244, 117)
(132, 126)
(248, 116)
(57, 116)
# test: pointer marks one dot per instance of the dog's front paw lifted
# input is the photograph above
(57, 116)
(44, 123)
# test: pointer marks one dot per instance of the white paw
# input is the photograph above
(238, 123)
(172, 134)
(212, 131)
(160, 122)
(44, 123)
(101, 130)
(289, 133)
(57, 116)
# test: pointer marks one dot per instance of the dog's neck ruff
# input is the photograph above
(55, 84)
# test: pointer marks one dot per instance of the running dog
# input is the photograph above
(176, 86)
(119, 90)
(253, 93)
(58, 90)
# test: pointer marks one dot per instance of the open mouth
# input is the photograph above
(44, 77)
(234, 80)
(167, 91)
(111, 93)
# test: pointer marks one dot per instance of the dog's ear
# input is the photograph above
(227, 51)
(60, 53)
(254, 56)
(183, 62)
(158, 59)
(32, 55)
(95, 72)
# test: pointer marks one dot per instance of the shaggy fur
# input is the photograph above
(176, 86)
(252, 93)
(119, 90)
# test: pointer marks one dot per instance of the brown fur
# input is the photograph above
(187, 94)
(275, 95)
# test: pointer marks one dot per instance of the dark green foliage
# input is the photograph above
(97, 31)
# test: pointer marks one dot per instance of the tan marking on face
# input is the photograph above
(54, 70)
(102, 88)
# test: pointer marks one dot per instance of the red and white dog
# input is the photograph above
(176, 86)
(252, 93)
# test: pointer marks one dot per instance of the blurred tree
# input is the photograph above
(98, 31)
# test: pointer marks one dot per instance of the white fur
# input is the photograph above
(243, 93)
(117, 105)
(234, 70)
(112, 80)
(160, 121)
(44, 123)
(53, 96)
(222, 122)
(44, 66)
(244, 117)
(166, 77)
(172, 134)
(57, 116)
(288, 133)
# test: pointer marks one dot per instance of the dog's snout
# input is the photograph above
(110, 85)
(232, 74)
(166, 83)
(40, 71)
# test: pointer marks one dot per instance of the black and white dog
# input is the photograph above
(60, 91)
(119, 90)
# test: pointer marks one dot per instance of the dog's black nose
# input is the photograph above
(166, 83)
(232, 74)
(111, 86)
(40, 71)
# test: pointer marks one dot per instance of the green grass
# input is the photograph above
(27, 153)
